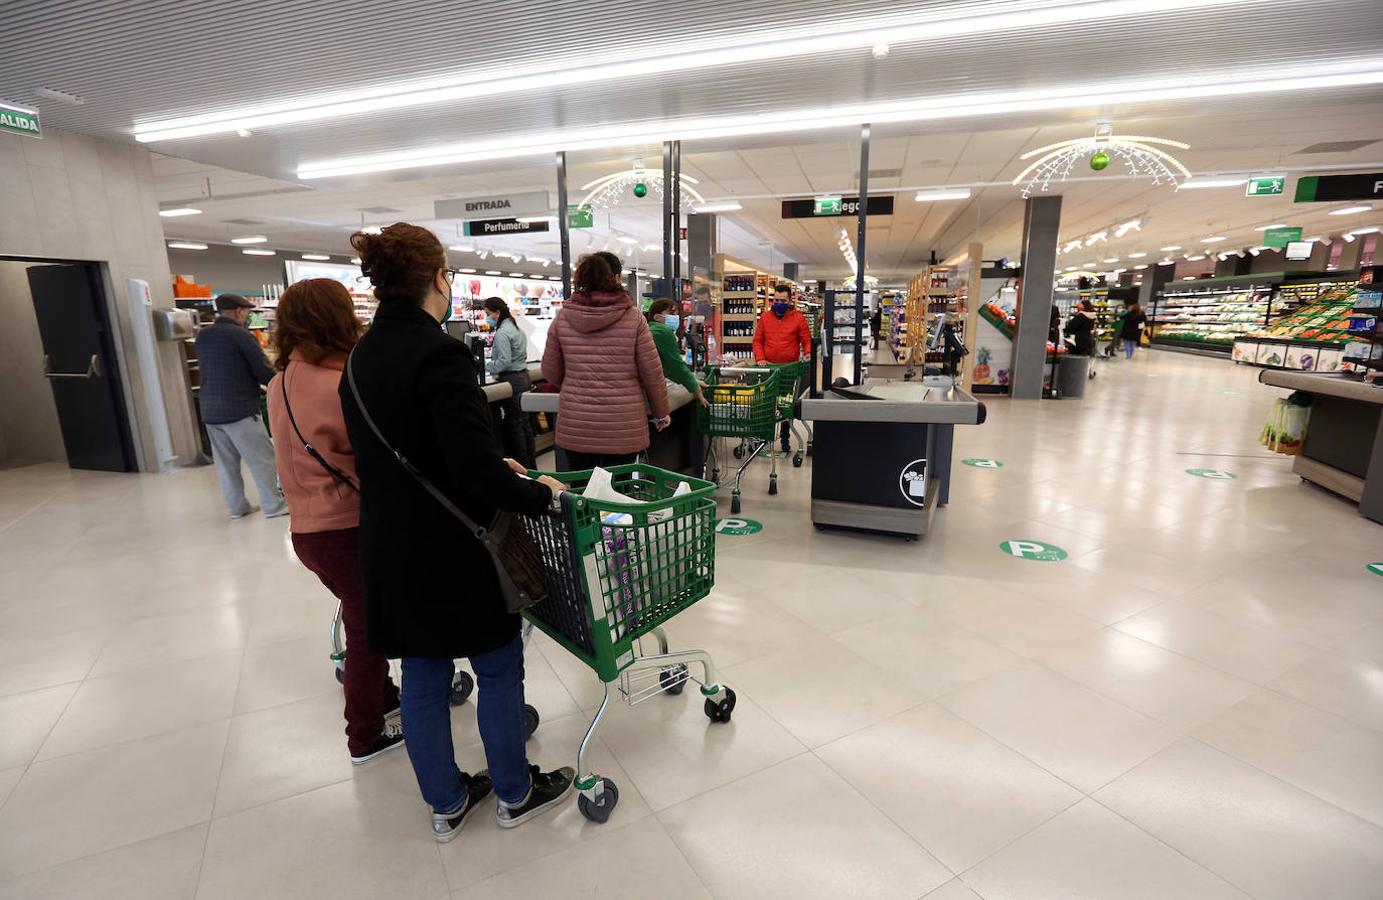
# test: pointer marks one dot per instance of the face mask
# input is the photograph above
(672, 321)
(446, 316)
(780, 308)
(492, 321)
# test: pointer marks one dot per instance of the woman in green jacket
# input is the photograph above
(662, 322)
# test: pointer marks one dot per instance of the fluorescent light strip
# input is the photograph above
(185, 245)
(254, 252)
(1213, 239)
(654, 59)
(1170, 248)
(727, 206)
(179, 211)
(1197, 183)
(256, 239)
(925, 109)
(1139, 254)
(1350, 210)
(1274, 225)
(316, 257)
(1362, 231)
(926, 196)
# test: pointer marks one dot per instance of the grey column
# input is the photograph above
(1041, 224)
(563, 226)
(791, 271)
(701, 253)
(1155, 278)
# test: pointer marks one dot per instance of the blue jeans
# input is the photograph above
(245, 439)
(425, 703)
(1128, 347)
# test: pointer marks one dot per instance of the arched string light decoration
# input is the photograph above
(1144, 160)
(609, 190)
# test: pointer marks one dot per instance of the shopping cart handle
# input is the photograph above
(740, 370)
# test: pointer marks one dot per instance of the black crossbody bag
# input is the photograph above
(333, 471)
(518, 565)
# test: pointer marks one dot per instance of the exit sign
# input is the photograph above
(826, 206)
(580, 217)
(1266, 186)
(18, 120)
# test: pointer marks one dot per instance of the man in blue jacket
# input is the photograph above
(233, 367)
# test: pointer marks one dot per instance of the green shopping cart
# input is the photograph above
(741, 404)
(615, 572)
(789, 390)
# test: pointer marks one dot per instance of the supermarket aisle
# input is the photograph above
(1187, 705)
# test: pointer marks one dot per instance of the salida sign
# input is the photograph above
(19, 120)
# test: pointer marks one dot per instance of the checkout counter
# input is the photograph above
(1343, 448)
(882, 453)
(679, 447)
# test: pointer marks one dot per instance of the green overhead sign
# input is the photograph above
(1277, 238)
(580, 217)
(19, 120)
(1266, 186)
(826, 206)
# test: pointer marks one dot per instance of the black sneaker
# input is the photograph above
(391, 738)
(546, 791)
(446, 826)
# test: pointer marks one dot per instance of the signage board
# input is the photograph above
(485, 227)
(826, 206)
(1318, 188)
(1277, 238)
(18, 120)
(529, 203)
(1265, 186)
(580, 217)
(880, 205)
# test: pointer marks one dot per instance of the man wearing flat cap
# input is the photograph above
(233, 368)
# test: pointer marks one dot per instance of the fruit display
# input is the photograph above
(1208, 316)
(1311, 337)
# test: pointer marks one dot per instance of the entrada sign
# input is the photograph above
(482, 227)
(1317, 188)
(524, 204)
(843, 206)
(19, 120)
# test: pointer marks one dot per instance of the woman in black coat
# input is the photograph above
(1132, 330)
(431, 593)
(1080, 328)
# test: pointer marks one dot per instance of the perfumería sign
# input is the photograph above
(18, 120)
(484, 227)
(1265, 186)
(529, 203)
(1317, 188)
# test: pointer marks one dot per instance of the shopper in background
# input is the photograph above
(232, 369)
(1131, 331)
(601, 356)
(316, 328)
(431, 592)
(1080, 328)
(663, 322)
(509, 363)
(876, 324)
(782, 336)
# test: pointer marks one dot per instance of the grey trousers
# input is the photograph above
(245, 439)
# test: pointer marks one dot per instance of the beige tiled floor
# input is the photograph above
(1189, 706)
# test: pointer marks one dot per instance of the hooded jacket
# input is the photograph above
(602, 358)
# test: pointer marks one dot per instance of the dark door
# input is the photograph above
(81, 365)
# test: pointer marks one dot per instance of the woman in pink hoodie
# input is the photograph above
(316, 330)
(601, 356)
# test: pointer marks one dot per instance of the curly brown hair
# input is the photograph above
(400, 261)
(316, 317)
(594, 273)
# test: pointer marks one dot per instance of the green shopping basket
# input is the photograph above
(615, 571)
(741, 409)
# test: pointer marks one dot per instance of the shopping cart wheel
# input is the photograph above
(340, 673)
(811, 445)
(739, 450)
(530, 721)
(673, 679)
(797, 460)
(734, 504)
(462, 684)
(599, 809)
(772, 485)
(720, 711)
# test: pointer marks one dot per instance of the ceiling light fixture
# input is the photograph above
(1347, 238)
(1170, 248)
(179, 211)
(517, 275)
(1137, 254)
(254, 239)
(717, 206)
(355, 260)
(316, 257)
(1273, 225)
(461, 248)
(1112, 259)
(1351, 210)
(1072, 245)
(185, 245)
(493, 272)
(1213, 239)
(1096, 238)
(466, 271)
(1220, 84)
(1131, 225)
(1200, 183)
(251, 251)
(1140, 267)
(654, 59)
(1197, 258)
(1370, 230)
(927, 196)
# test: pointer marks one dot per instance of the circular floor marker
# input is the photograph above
(981, 463)
(1375, 568)
(738, 526)
(1033, 550)
(1219, 474)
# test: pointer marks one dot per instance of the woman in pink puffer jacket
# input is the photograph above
(601, 356)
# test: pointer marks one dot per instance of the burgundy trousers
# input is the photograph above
(334, 557)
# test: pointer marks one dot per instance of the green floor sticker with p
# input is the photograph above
(738, 527)
(1218, 474)
(981, 463)
(1375, 568)
(1033, 550)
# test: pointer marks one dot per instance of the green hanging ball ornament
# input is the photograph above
(1100, 161)
(640, 189)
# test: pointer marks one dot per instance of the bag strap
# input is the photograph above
(408, 467)
(331, 470)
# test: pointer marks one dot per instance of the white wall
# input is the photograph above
(228, 270)
(29, 428)
(67, 196)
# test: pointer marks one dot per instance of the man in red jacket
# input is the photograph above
(782, 336)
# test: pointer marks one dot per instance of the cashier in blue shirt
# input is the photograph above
(509, 363)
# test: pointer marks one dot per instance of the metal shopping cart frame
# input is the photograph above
(744, 408)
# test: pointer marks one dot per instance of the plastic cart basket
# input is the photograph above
(789, 390)
(615, 573)
(742, 405)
